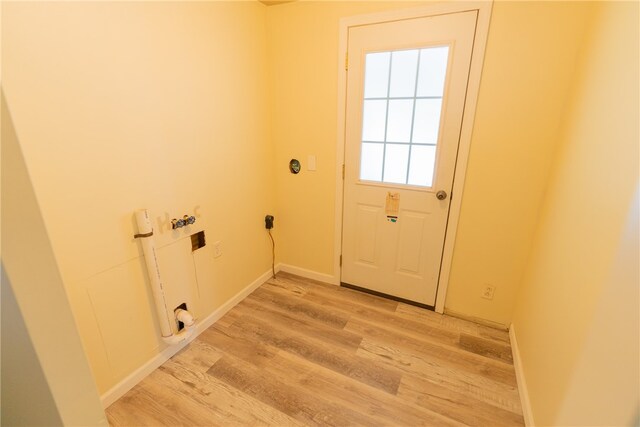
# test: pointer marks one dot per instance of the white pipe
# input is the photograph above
(145, 234)
(185, 317)
(179, 337)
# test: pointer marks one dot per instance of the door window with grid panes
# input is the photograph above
(403, 92)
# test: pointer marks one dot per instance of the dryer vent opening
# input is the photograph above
(197, 241)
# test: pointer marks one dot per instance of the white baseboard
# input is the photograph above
(479, 320)
(117, 391)
(309, 274)
(522, 383)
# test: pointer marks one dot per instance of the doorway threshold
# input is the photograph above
(387, 296)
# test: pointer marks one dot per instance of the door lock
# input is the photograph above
(441, 195)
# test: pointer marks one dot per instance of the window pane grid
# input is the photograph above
(401, 97)
(409, 135)
(386, 121)
(413, 115)
(398, 143)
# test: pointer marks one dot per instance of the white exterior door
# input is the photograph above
(406, 88)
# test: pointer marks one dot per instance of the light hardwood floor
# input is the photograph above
(299, 352)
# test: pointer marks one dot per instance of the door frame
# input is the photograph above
(473, 86)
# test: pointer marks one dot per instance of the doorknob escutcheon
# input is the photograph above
(441, 195)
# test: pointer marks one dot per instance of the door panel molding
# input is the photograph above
(411, 229)
(483, 9)
(365, 243)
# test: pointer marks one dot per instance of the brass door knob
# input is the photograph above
(441, 195)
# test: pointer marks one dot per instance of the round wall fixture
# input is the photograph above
(294, 166)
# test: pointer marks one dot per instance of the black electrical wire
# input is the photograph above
(273, 255)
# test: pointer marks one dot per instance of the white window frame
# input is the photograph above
(406, 185)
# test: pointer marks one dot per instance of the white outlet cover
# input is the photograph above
(217, 249)
(311, 163)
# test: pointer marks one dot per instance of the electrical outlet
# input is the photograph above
(268, 222)
(488, 291)
(217, 249)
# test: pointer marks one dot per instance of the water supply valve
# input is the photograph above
(183, 222)
(177, 223)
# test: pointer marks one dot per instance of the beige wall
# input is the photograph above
(170, 106)
(529, 64)
(604, 387)
(303, 68)
(580, 293)
(46, 379)
(24, 384)
(120, 106)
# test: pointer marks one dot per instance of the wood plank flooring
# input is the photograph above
(298, 352)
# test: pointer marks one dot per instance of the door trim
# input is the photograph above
(473, 87)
